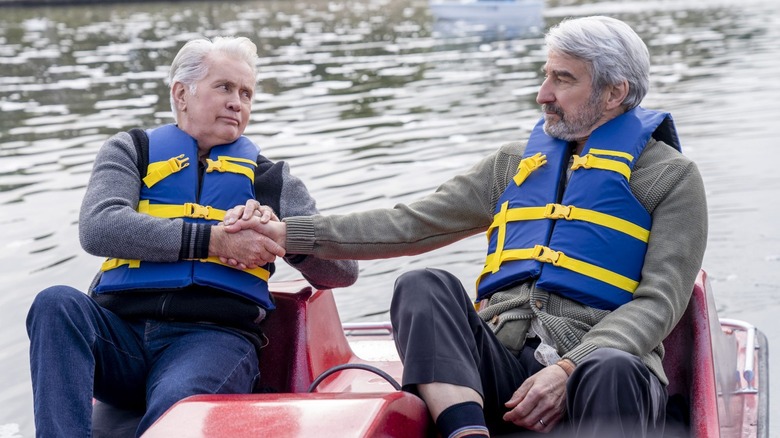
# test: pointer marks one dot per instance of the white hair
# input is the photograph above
(613, 51)
(190, 66)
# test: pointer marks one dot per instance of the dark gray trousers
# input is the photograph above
(440, 338)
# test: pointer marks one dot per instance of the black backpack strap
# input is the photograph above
(141, 142)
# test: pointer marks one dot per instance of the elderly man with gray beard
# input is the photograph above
(596, 229)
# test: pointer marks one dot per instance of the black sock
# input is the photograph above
(462, 420)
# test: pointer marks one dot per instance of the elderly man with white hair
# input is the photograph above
(165, 318)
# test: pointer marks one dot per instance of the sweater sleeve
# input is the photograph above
(110, 226)
(457, 209)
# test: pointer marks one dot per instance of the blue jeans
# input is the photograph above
(79, 350)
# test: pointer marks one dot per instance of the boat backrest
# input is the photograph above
(305, 338)
(689, 363)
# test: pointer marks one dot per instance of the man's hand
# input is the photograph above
(243, 248)
(252, 208)
(540, 402)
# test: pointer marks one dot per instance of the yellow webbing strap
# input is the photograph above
(528, 165)
(610, 153)
(568, 212)
(227, 164)
(159, 170)
(593, 162)
(260, 273)
(557, 258)
(188, 209)
(515, 214)
(500, 219)
(109, 264)
(115, 263)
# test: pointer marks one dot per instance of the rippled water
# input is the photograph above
(373, 102)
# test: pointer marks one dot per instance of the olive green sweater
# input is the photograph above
(667, 183)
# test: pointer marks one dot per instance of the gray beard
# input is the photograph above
(571, 128)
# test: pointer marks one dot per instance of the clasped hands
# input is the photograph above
(249, 236)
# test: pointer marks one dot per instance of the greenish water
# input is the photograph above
(372, 102)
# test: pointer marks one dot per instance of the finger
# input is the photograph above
(243, 225)
(251, 206)
(265, 215)
(272, 247)
(232, 215)
(519, 394)
(232, 226)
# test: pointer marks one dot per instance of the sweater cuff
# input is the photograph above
(300, 235)
(195, 240)
(578, 353)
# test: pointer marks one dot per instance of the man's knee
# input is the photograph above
(53, 302)
(608, 375)
(424, 284)
(611, 363)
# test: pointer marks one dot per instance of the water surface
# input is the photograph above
(372, 102)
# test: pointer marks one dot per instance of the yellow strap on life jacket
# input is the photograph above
(258, 272)
(188, 209)
(160, 170)
(227, 164)
(590, 161)
(528, 165)
(557, 258)
(515, 214)
(610, 153)
(568, 212)
(501, 219)
(110, 264)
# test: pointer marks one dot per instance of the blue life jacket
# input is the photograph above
(171, 190)
(586, 242)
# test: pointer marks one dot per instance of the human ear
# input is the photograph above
(179, 93)
(617, 95)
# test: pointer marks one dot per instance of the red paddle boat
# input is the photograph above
(330, 379)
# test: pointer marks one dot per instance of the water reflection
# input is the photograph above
(372, 104)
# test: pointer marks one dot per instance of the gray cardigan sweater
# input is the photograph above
(110, 226)
(667, 183)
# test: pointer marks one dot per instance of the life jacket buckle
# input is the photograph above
(215, 165)
(178, 163)
(583, 162)
(528, 165)
(546, 255)
(196, 211)
(558, 211)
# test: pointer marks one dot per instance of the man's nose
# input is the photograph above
(544, 95)
(234, 102)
